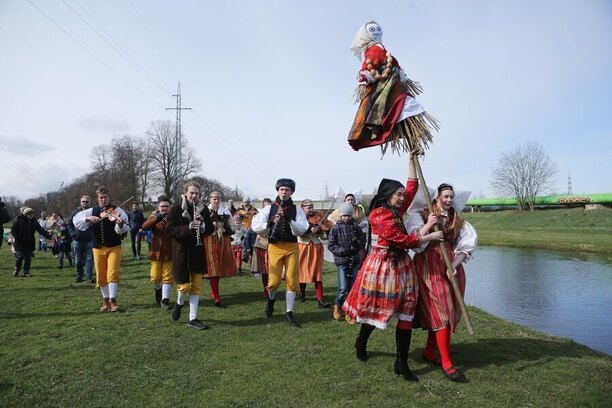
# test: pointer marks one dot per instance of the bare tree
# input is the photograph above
(524, 173)
(174, 161)
(209, 185)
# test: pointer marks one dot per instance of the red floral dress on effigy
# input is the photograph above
(386, 285)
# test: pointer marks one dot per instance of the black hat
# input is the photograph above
(285, 182)
(385, 189)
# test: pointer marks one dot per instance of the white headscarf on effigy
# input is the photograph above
(363, 40)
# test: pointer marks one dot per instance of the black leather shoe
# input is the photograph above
(78, 280)
(361, 349)
(291, 320)
(323, 304)
(269, 309)
(196, 324)
(302, 298)
(176, 311)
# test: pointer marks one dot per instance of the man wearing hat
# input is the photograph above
(283, 222)
(23, 230)
(311, 253)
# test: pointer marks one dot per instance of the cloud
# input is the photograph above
(23, 147)
(106, 125)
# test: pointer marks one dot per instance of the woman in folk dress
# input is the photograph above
(437, 309)
(386, 284)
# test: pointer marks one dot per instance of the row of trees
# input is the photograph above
(132, 166)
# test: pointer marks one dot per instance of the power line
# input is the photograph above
(94, 55)
(124, 54)
(153, 40)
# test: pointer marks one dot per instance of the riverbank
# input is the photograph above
(573, 229)
(59, 351)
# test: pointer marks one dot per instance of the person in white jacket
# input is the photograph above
(283, 222)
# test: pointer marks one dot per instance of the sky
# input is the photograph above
(271, 83)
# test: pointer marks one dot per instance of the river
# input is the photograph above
(557, 293)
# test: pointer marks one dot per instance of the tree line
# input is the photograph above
(131, 166)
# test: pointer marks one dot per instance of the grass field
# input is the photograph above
(559, 229)
(58, 350)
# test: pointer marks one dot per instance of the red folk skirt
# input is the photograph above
(311, 262)
(259, 262)
(220, 259)
(386, 286)
(437, 306)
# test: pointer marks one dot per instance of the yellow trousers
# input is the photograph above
(194, 286)
(161, 272)
(287, 255)
(107, 261)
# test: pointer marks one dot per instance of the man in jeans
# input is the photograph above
(136, 219)
(82, 244)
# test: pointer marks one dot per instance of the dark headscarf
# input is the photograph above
(386, 188)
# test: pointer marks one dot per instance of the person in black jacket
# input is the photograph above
(82, 244)
(4, 217)
(136, 218)
(346, 240)
(23, 230)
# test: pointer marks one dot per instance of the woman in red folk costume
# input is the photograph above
(388, 111)
(386, 285)
(220, 259)
(438, 310)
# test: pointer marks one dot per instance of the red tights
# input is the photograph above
(214, 288)
(318, 289)
(441, 339)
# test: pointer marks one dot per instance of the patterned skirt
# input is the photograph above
(220, 258)
(311, 262)
(386, 286)
(437, 306)
(259, 262)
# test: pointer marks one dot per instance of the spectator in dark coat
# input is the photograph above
(4, 217)
(136, 218)
(23, 230)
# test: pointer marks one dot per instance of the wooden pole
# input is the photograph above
(447, 260)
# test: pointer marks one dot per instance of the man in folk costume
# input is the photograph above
(259, 261)
(188, 222)
(388, 111)
(108, 223)
(246, 212)
(220, 260)
(283, 222)
(160, 252)
(311, 254)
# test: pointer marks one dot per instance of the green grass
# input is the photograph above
(58, 350)
(561, 229)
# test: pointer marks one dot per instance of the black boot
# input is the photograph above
(402, 342)
(361, 344)
(269, 309)
(158, 296)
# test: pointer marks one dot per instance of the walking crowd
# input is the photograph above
(197, 240)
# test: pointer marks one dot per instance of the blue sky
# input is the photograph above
(270, 84)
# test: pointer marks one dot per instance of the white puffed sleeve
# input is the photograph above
(300, 225)
(126, 226)
(80, 219)
(260, 222)
(467, 241)
(413, 224)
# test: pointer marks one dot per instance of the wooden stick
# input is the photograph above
(447, 260)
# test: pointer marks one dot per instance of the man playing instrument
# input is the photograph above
(108, 223)
(283, 222)
(160, 252)
(311, 252)
(188, 221)
(246, 212)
